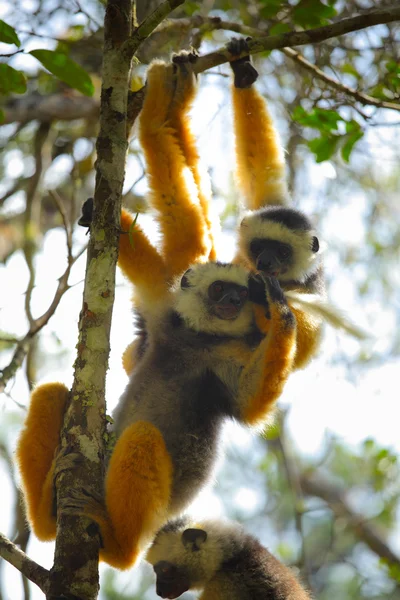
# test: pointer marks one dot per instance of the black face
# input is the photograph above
(226, 299)
(271, 257)
(172, 581)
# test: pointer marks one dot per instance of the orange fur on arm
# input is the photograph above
(266, 373)
(140, 261)
(35, 455)
(173, 189)
(259, 154)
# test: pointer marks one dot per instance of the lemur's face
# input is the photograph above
(172, 580)
(226, 299)
(272, 257)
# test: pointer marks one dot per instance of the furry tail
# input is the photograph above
(313, 304)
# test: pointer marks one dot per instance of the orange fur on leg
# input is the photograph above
(180, 122)
(35, 453)
(259, 154)
(174, 192)
(138, 486)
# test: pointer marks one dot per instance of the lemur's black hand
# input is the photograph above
(85, 220)
(274, 291)
(244, 72)
(257, 289)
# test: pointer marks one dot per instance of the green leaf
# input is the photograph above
(350, 70)
(65, 69)
(8, 35)
(318, 118)
(349, 144)
(312, 13)
(324, 147)
(354, 133)
(1, 116)
(269, 8)
(11, 80)
(279, 28)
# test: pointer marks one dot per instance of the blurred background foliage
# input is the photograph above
(333, 512)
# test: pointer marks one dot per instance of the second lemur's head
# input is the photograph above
(280, 242)
(186, 555)
(213, 298)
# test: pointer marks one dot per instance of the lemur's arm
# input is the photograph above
(35, 451)
(259, 153)
(264, 376)
(173, 189)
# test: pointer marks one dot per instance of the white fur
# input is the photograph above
(305, 260)
(191, 302)
(313, 304)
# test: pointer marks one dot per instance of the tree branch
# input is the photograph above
(301, 38)
(47, 108)
(362, 98)
(147, 27)
(336, 500)
(84, 428)
(37, 324)
(34, 572)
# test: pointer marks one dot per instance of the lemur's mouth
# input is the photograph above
(273, 272)
(227, 311)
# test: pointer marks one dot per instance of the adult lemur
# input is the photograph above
(208, 358)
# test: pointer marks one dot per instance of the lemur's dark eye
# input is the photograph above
(244, 292)
(284, 251)
(256, 248)
(216, 290)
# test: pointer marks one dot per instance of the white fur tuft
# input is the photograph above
(313, 304)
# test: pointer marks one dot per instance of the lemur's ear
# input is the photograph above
(315, 244)
(185, 281)
(194, 537)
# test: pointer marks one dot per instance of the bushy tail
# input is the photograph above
(314, 305)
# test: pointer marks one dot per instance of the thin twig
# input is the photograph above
(32, 214)
(361, 97)
(34, 572)
(66, 222)
(37, 324)
(336, 500)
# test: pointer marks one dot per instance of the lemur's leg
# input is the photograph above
(259, 154)
(173, 189)
(35, 451)
(137, 494)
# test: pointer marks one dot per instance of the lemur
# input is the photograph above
(208, 359)
(282, 234)
(220, 559)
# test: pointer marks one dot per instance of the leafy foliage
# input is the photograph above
(11, 80)
(65, 69)
(8, 35)
(327, 122)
